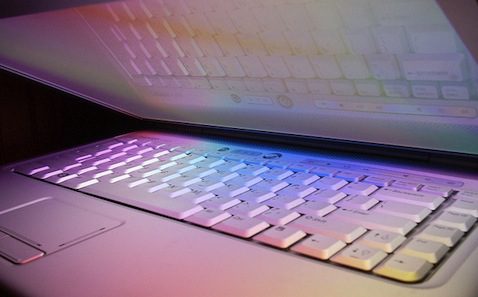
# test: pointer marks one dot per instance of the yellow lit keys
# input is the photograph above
(404, 268)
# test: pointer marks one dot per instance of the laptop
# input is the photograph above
(291, 148)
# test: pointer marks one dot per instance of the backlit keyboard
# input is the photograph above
(395, 224)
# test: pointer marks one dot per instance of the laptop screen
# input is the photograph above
(392, 72)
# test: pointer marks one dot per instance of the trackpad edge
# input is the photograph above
(49, 224)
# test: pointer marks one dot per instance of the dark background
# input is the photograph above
(36, 119)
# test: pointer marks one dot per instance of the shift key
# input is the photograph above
(373, 220)
(400, 195)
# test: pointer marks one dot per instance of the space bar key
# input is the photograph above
(412, 197)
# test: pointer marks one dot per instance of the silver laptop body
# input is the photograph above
(328, 148)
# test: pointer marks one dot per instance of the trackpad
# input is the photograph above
(49, 224)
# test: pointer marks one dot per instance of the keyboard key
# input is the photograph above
(146, 172)
(280, 236)
(404, 268)
(207, 185)
(383, 240)
(185, 180)
(279, 216)
(374, 220)
(245, 180)
(425, 249)
(277, 174)
(412, 212)
(164, 176)
(48, 173)
(99, 173)
(208, 217)
(165, 164)
(370, 88)
(95, 161)
(284, 201)
(137, 150)
(319, 86)
(315, 208)
(131, 169)
(299, 191)
(231, 190)
(302, 178)
(129, 147)
(175, 156)
(110, 165)
(358, 202)
(299, 66)
(241, 226)
(447, 235)
(432, 67)
(171, 191)
(256, 195)
(467, 194)
(221, 202)
(407, 185)
(183, 167)
(210, 162)
(391, 39)
(230, 166)
(61, 177)
(332, 183)
(129, 158)
(326, 66)
(80, 182)
(136, 182)
(271, 185)
(383, 66)
(323, 171)
(353, 66)
(155, 153)
(116, 177)
(281, 163)
(406, 196)
(427, 90)
(197, 197)
(458, 91)
(253, 170)
(465, 205)
(319, 246)
(248, 209)
(396, 88)
(380, 181)
(325, 195)
(32, 168)
(359, 256)
(341, 230)
(456, 220)
(82, 155)
(350, 176)
(438, 190)
(157, 187)
(359, 188)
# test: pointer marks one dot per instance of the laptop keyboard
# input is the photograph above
(273, 53)
(388, 223)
